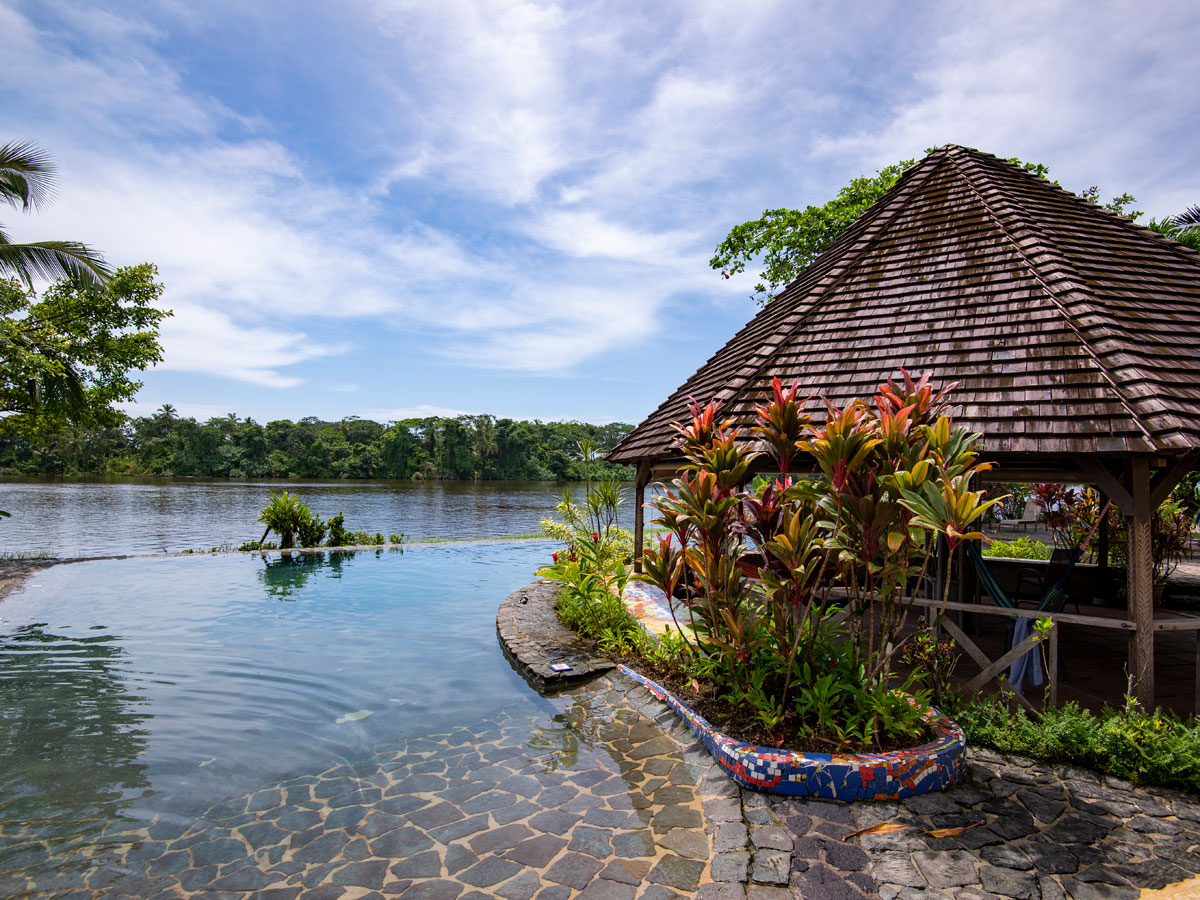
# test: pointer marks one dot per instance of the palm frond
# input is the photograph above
(1189, 218)
(52, 260)
(26, 175)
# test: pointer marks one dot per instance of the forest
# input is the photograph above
(466, 447)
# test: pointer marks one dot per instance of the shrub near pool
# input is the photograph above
(1149, 748)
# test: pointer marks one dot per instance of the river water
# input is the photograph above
(151, 515)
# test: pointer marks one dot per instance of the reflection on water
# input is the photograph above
(286, 576)
(72, 736)
(94, 518)
(558, 743)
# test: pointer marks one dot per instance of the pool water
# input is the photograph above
(341, 722)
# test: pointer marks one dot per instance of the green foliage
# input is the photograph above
(285, 514)
(589, 598)
(1149, 748)
(1021, 548)
(896, 475)
(66, 357)
(592, 522)
(932, 661)
(1184, 227)
(27, 183)
(787, 240)
(232, 447)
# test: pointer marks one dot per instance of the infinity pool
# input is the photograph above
(235, 723)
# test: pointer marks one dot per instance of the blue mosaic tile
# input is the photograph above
(865, 776)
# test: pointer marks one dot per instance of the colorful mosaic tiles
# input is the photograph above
(869, 776)
(650, 605)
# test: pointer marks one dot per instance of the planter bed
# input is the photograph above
(895, 775)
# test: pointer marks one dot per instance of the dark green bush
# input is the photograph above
(1148, 748)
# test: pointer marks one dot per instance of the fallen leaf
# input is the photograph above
(952, 832)
(881, 828)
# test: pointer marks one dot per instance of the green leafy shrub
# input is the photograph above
(589, 598)
(894, 477)
(582, 524)
(1021, 548)
(1149, 748)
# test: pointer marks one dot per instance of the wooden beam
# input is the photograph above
(1000, 665)
(1052, 665)
(1166, 479)
(1069, 618)
(639, 514)
(1104, 479)
(1141, 581)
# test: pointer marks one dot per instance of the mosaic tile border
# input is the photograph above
(868, 776)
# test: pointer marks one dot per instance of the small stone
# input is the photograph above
(400, 843)
(422, 865)
(692, 844)
(607, 890)
(822, 883)
(1007, 857)
(433, 816)
(499, 838)
(219, 851)
(489, 871)
(721, 809)
(955, 868)
(458, 858)
(633, 844)
(760, 892)
(676, 817)
(436, 889)
(457, 830)
(573, 870)
(522, 887)
(770, 867)
(1009, 883)
(554, 822)
(730, 866)
(537, 851)
(1080, 890)
(892, 867)
(595, 842)
(845, 857)
(677, 872)
(368, 874)
(770, 837)
(716, 890)
(247, 878)
(626, 871)
(730, 836)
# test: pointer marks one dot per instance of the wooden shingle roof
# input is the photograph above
(1069, 329)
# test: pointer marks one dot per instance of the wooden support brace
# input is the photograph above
(995, 668)
(968, 645)
(1166, 479)
(1108, 482)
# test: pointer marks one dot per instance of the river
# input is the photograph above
(99, 517)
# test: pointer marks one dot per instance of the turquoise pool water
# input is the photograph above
(317, 727)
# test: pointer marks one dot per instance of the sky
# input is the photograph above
(386, 209)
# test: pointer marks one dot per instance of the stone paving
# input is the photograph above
(598, 803)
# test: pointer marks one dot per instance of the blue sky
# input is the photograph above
(384, 209)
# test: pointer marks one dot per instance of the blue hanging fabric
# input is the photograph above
(1027, 666)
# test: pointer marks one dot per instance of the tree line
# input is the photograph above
(166, 444)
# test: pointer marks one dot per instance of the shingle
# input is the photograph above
(1069, 329)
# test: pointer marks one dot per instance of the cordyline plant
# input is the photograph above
(895, 474)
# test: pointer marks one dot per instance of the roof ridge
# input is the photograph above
(903, 191)
(1047, 245)
(776, 306)
(1090, 207)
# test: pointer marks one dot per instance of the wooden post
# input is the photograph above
(1052, 664)
(1196, 708)
(1102, 549)
(1141, 583)
(639, 514)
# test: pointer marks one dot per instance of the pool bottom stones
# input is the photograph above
(848, 777)
(595, 802)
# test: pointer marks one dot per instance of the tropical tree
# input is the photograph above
(66, 356)
(27, 184)
(1184, 227)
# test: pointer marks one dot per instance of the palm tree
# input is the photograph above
(1184, 227)
(27, 183)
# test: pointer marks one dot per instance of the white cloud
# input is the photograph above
(394, 414)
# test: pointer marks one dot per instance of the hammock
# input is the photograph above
(1030, 665)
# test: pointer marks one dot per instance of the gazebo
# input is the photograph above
(1073, 335)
